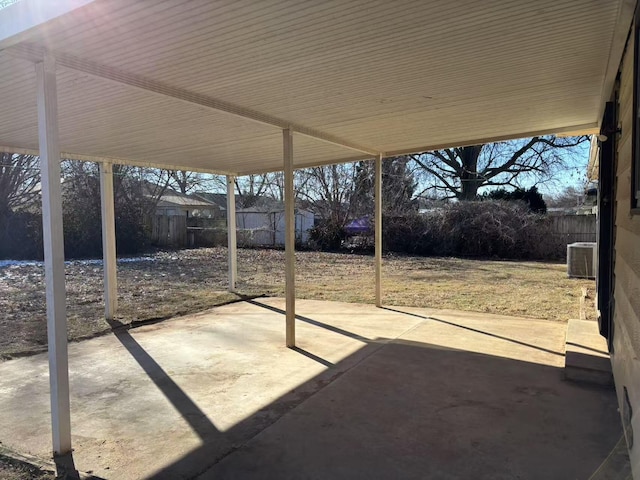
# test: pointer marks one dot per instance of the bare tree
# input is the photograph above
(461, 172)
(569, 197)
(187, 182)
(19, 181)
(329, 190)
(252, 189)
(398, 187)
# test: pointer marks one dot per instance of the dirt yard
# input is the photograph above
(174, 283)
(14, 470)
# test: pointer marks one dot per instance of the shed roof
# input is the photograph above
(208, 85)
(172, 198)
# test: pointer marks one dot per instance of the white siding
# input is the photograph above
(268, 228)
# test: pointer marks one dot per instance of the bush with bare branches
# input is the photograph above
(478, 229)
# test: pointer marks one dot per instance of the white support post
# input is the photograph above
(108, 241)
(378, 229)
(53, 254)
(289, 239)
(232, 244)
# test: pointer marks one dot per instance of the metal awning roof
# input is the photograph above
(208, 85)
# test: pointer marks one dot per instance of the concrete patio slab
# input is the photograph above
(587, 355)
(369, 392)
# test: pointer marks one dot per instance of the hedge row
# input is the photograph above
(478, 229)
(487, 229)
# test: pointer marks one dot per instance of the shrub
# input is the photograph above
(209, 237)
(21, 232)
(327, 235)
(82, 217)
(532, 198)
(490, 228)
(411, 234)
(21, 236)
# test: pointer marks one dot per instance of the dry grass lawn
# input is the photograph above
(167, 284)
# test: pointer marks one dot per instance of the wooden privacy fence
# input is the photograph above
(179, 231)
(169, 230)
(574, 228)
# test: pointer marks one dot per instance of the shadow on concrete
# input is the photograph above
(402, 409)
(192, 414)
(66, 469)
(312, 356)
(313, 322)
(475, 330)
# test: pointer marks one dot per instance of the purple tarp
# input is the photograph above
(359, 226)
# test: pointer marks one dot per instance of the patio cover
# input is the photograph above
(209, 85)
(225, 86)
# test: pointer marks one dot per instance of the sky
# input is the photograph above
(575, 176)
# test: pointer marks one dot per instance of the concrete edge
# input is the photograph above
(45, 466)
(134, 324)
(586, 359)
(29, 460)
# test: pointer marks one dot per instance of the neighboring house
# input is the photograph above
(615, 163)
(561, 210)
(173, 203)
(220, 199)
(242, 201)
(175, 213)
(585, 204)
(261, 226)
(262, 223)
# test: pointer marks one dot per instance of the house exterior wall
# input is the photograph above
(626, 276)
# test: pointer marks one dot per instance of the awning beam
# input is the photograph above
(35, 53)
(113, 160)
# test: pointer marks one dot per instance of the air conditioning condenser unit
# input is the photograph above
(582, 260)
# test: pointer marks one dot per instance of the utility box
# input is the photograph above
(582, 260)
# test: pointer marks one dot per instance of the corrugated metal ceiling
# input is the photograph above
(393, 76)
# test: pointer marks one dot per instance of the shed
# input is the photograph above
(261, 226)
(173, 203)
